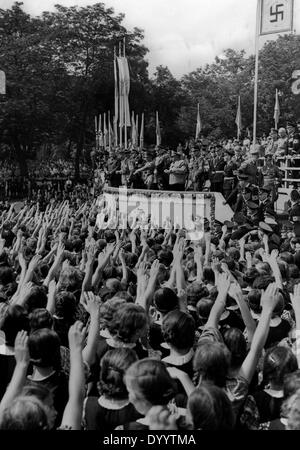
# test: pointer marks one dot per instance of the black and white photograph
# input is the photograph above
(149, 219)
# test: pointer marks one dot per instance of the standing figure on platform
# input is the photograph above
(177, 172)
(113, 166)
(147, 170)
(162, 162)
(230, 179)
(271, 176)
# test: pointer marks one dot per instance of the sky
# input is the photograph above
(181, 34)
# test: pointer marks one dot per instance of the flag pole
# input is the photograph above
(258, 12)
(121, 105)
(116, 98)
(142, 133)
(137, 130)
(125, 108)
(109, 135)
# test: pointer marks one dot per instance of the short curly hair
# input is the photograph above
(179, 329)
(129, 323)
(113, 368)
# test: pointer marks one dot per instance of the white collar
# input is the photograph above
(6, 350)
(30, 377)
(275, 322)
(105, 334)
(273, 393)
(112, 404)
(179, 360)
(225, 315)
(118, 344)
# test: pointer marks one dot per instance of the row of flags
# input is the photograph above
(107, 135)
(238, 119)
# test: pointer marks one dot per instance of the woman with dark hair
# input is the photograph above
(64, 315)
(149, 384)
(128, 325)
(164, 301)
(40, 318)
(14, 320)
(265, 404)
(179, 333)
(210, 409)
(112, 408)
(44, 350)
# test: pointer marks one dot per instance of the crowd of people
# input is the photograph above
(142, 328)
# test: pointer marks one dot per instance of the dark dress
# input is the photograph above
(57, 384)
(269, 407)
(99, 418)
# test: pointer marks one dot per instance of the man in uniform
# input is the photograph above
(162, 162)
(282, 142)
(272, 144)
(250, 166)
(248, 192)
(195, 170)
(291, 129)
(271, 176)
(113, 166)
(177, 172)
(147, 170)
(230, 179)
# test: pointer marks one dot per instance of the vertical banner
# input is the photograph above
(142, 133)
(276, 16)
(158, 133)
(276, 110)
(238, 119)
(198, 127)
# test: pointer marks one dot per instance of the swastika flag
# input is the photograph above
(276, 16)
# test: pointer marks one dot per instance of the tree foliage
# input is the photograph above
(59, 71)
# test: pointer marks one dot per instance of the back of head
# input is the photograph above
(204, 307)
(114, 365)
(278, 362)
(14, 320)
(129, 323)
(108, 310)
(195, 292)
(179, 330)
(37, 299)
(65, 306)
(150, 378)
(40, 318)
(210, 408)
(44, 348)
(165, 300)
(237, 345)
(254, 298)
(212, 362)
(25, 413)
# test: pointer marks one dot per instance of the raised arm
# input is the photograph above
(91, 304)
(223, 284)
(19, 376)
(74, 408)
(268, 301)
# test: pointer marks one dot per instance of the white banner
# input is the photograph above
(276, 16)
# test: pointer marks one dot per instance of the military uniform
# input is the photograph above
(271, 177)
(230, 179)
(113, 166)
